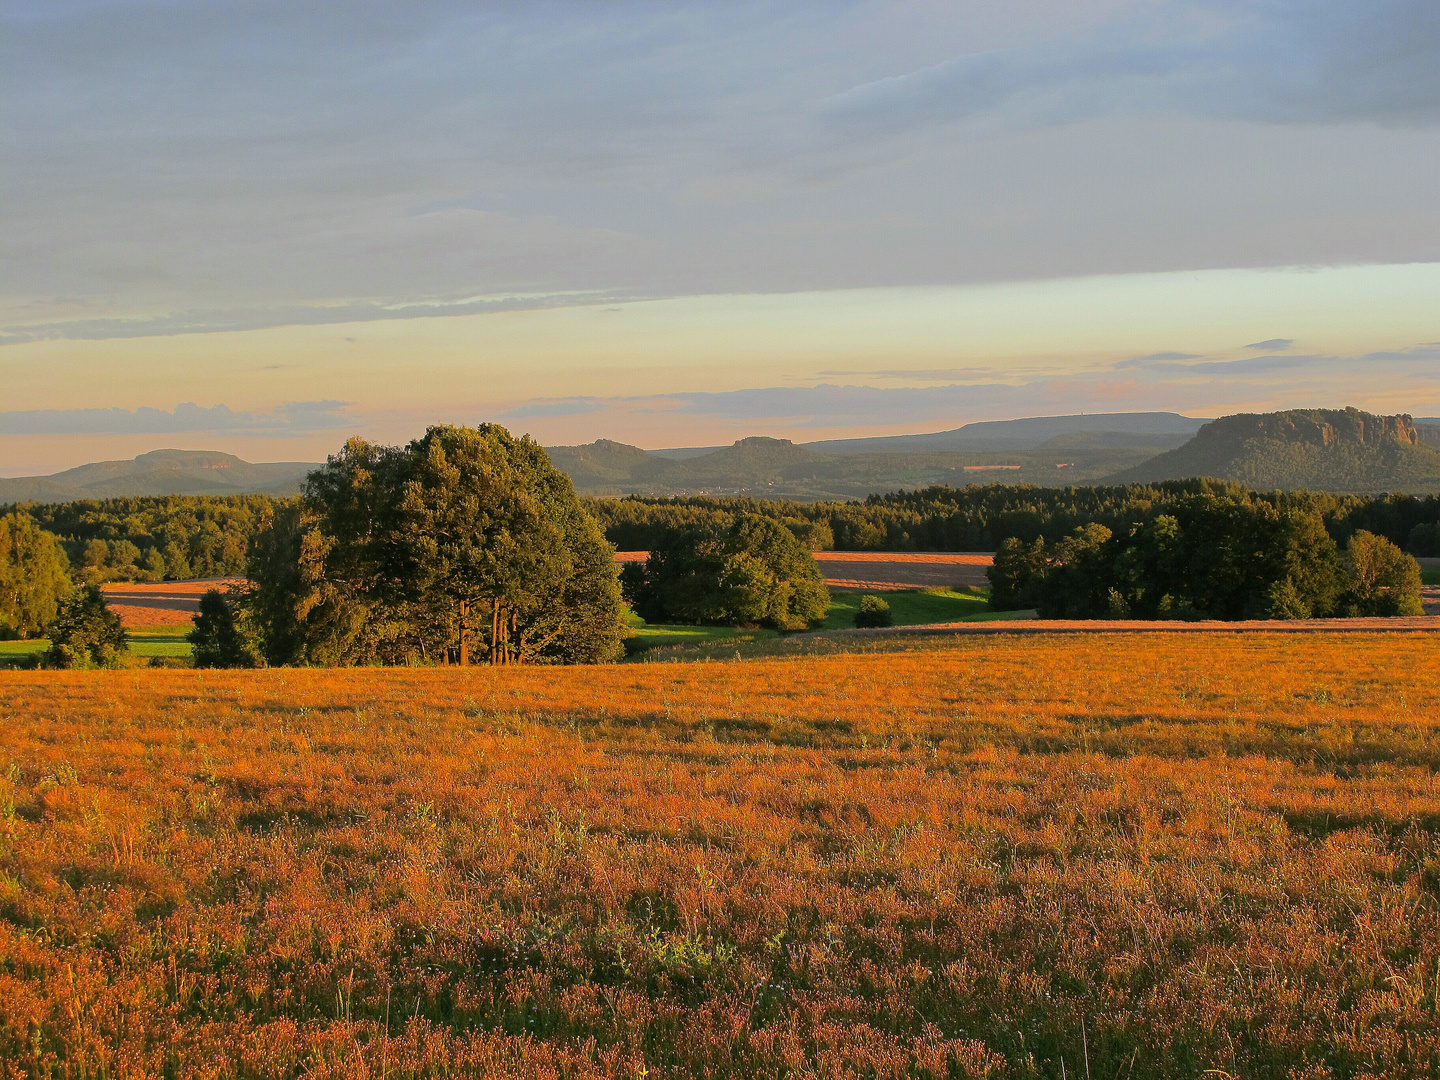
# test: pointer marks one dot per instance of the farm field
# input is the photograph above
(161, 603)
(873, 571)
(1167, 856)
(912, 607)
(166, 640)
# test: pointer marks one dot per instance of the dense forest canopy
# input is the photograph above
(155, 538)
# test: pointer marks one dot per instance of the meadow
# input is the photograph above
(165, 643)
(1040, 857)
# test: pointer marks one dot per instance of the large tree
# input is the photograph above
(465, 545)
(34, 576)
(752, 572)
(1383, 580)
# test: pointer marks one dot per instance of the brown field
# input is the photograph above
(1026, 622)
(1106, 856)
(165, 603)
(882, 571)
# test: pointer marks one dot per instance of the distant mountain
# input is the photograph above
(599, 463)
(1319, 449)
(161, 472)
(1029, 433)
(1033, 451)
(1338, 451)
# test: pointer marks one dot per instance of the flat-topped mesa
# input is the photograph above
(1316, 427)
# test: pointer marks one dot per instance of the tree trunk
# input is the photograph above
(464, 644)
(495, 631)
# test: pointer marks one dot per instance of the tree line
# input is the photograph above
(159, 538)
(176, 537)
(981, 517)
(1207, 557)
(469, 544)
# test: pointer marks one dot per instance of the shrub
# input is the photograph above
(86, 633)
(873, 612)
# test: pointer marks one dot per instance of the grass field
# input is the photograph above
(909, 607)
(145, 642)
(1430, 577)
(1041, 857)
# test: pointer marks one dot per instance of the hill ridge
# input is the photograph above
(1340, 450)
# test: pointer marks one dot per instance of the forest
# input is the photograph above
(156, 538)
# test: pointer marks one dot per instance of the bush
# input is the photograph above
(86, 633)
(873, 612)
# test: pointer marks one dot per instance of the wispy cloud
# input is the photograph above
(576, 406)
(912, 374)
(184, 168)
(1278, 344)
(1276, 61)
(295, 418)
(223, 320)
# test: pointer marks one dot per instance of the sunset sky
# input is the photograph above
(261, 227)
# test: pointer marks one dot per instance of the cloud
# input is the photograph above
(182, 168)
(917, 374)
(225, 321)
(1162, 363)
(1189, 384)
(1157, 358)
(1278, 343)
(294, 418)
(1273, 61)
(829, 405)
(578, 406)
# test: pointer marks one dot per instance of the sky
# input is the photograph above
(262, 227)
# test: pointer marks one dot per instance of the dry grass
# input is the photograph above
(1148, 857)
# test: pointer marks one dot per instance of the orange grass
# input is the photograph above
(1094, 856)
